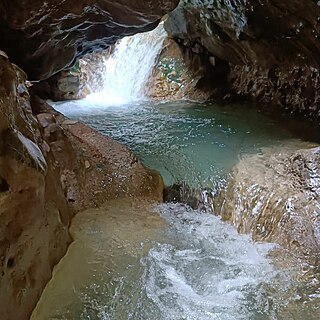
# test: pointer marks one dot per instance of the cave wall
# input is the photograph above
(52, 167)
(44, 37)
(34, 213)
(272, 47)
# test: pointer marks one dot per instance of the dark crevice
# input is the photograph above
(4, 186)
(10, 263)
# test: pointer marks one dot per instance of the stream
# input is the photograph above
(136, 260)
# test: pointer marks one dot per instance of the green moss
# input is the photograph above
(171, 70)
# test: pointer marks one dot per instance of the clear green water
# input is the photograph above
(133, 260)
(185, 141)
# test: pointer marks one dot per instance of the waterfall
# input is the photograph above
(129, 67)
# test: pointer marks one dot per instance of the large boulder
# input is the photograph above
(43, 38)
(172, 78)
(275, 196)
(272, 48)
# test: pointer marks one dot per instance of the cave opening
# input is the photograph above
(166, 166)
(153, 95)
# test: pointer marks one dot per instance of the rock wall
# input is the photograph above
(275, 197)
(85, 77)
(43, 38)
(50, 168)
(272, 49)
(34, 213)
(173, 78)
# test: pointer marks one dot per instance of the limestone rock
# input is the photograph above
(270, 49)
(46, 37)
(275, 196)
(85, 77)
(34, 214)
(172, 78)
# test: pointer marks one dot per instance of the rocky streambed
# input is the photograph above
(52, 167)
(249, 171)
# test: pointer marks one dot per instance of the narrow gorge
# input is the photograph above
(159, 160)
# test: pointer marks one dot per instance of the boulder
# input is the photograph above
(275, 197)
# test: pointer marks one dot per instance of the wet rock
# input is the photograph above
(196, 199)
(46, 37)
(275, 196)
(69, 122)
(44, 181)
(85, 77)
(173, 78)
(272, 49)
(33, 238)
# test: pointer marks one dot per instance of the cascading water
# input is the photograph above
(171, 262)
(129, 67)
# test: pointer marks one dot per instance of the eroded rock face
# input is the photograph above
(50, 168)
(43, 38)
(173, 79)
(275, 197)
(34, 214)
(85, 77)
(272, 48)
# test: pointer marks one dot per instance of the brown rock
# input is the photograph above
(172, 78)
(43, 181)
(46, 37)
(271, 50)
(34, 214)
(275, 196)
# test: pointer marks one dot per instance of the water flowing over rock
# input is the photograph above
(275, 197)
(153, 65)
(50, 168)
(271, 50)
(128, 68)
(85, 77)
(43, 38)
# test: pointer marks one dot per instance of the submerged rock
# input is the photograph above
(275, 196)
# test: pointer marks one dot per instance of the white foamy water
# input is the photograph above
(131, 262)
(208, 271)
(129, 67)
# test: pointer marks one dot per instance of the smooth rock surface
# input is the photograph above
(43, 38)
(44, 179)
(275, 196)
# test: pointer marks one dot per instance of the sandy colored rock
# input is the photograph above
(172, 78)
(34, 214)
(275, 196)
(44, 180)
